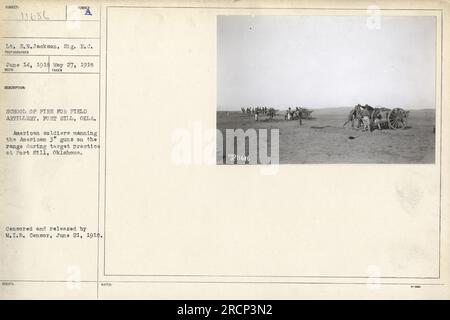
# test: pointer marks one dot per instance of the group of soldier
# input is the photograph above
(362, 115)
(291, 114)
(257, 111)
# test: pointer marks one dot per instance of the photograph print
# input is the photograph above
(326, 89)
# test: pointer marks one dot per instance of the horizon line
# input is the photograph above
(323, 108)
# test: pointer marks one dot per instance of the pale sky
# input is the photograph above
(325, 61)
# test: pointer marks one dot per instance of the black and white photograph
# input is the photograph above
(326, 89)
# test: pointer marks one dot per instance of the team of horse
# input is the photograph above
(256, 111)
(298, 113)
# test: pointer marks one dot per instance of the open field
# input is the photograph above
(324, 140)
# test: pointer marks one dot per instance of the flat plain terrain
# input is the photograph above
(324, 140)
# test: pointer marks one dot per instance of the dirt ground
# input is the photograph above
(324, 140)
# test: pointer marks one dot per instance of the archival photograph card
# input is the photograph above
(224, 150)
